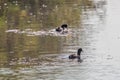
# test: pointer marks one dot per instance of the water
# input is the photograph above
(44, 57)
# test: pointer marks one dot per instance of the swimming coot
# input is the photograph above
(63, 28)
(78, 56)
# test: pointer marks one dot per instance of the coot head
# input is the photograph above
(63, 26)
(79, 51)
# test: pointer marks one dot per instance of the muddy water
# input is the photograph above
(39, 57)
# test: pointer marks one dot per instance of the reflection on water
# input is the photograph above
(45, 57)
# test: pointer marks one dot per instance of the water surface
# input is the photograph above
(44, 57)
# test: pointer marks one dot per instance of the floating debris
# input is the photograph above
(31, 32)
(13, 30)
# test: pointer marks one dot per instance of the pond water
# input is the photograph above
(30, 55)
